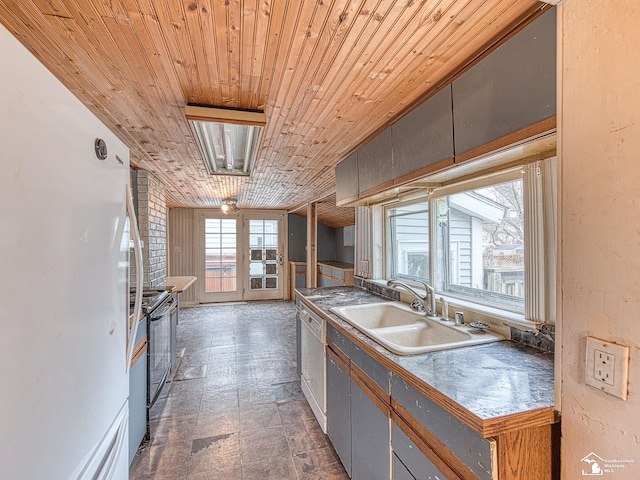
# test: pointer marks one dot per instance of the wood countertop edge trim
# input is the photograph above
(335, 267)
(138, 350)
(180, 283)
(485, 427)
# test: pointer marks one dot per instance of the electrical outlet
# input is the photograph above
(604, 366)
(607, 367)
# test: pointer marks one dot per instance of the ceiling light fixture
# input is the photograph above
(228, 139)
(229, 205)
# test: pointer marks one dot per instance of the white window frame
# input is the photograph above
(540, 191)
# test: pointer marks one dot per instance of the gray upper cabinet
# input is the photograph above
(347, 178)
(375, 162)
(424, 136)
(512, 88)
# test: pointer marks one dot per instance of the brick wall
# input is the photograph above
(152, 222)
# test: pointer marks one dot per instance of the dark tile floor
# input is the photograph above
(235, 409)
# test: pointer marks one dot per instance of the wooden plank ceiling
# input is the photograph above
(327, 73)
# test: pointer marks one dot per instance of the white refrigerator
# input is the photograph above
(64, 268)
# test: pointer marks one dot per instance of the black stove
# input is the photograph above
(151, 299)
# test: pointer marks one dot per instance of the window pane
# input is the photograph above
(271, 240)
(409, 238)
(220, 255)
(271, 226)
(255, 240)
(480, 245)
(256, 226)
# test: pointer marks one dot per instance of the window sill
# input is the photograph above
(505, 317)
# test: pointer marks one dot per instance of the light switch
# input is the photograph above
(607, 367)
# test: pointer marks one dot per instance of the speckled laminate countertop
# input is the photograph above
(483, 385)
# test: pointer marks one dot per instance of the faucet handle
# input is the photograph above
(427, 289)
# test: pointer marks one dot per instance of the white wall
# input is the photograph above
(599, 149)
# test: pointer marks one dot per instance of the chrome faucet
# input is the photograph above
(421, 299)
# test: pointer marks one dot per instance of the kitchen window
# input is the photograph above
(487, 243)
(480, 242)
(409, 240)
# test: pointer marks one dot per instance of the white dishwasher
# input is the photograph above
(313, 366)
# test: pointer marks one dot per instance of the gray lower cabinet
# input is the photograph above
(175, 312)
(474, 451)
(138, 393)
(357, 427)
(385, 428)
(339, 410)
(370, 438)
(298, 345)
(340, 341)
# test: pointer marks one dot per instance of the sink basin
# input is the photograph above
(401, 330)
(378, 315)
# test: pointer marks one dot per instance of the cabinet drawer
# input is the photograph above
(419, 465)
(373, 369)
(337, 273)
(478, 453)
(339, 340)
(324, 270)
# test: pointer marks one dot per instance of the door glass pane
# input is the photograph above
(256, 269)
(264, 254)
(271, 269)
(220, 255)
(271, 254)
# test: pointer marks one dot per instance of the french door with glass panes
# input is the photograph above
(265, 263)
(241, 257)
